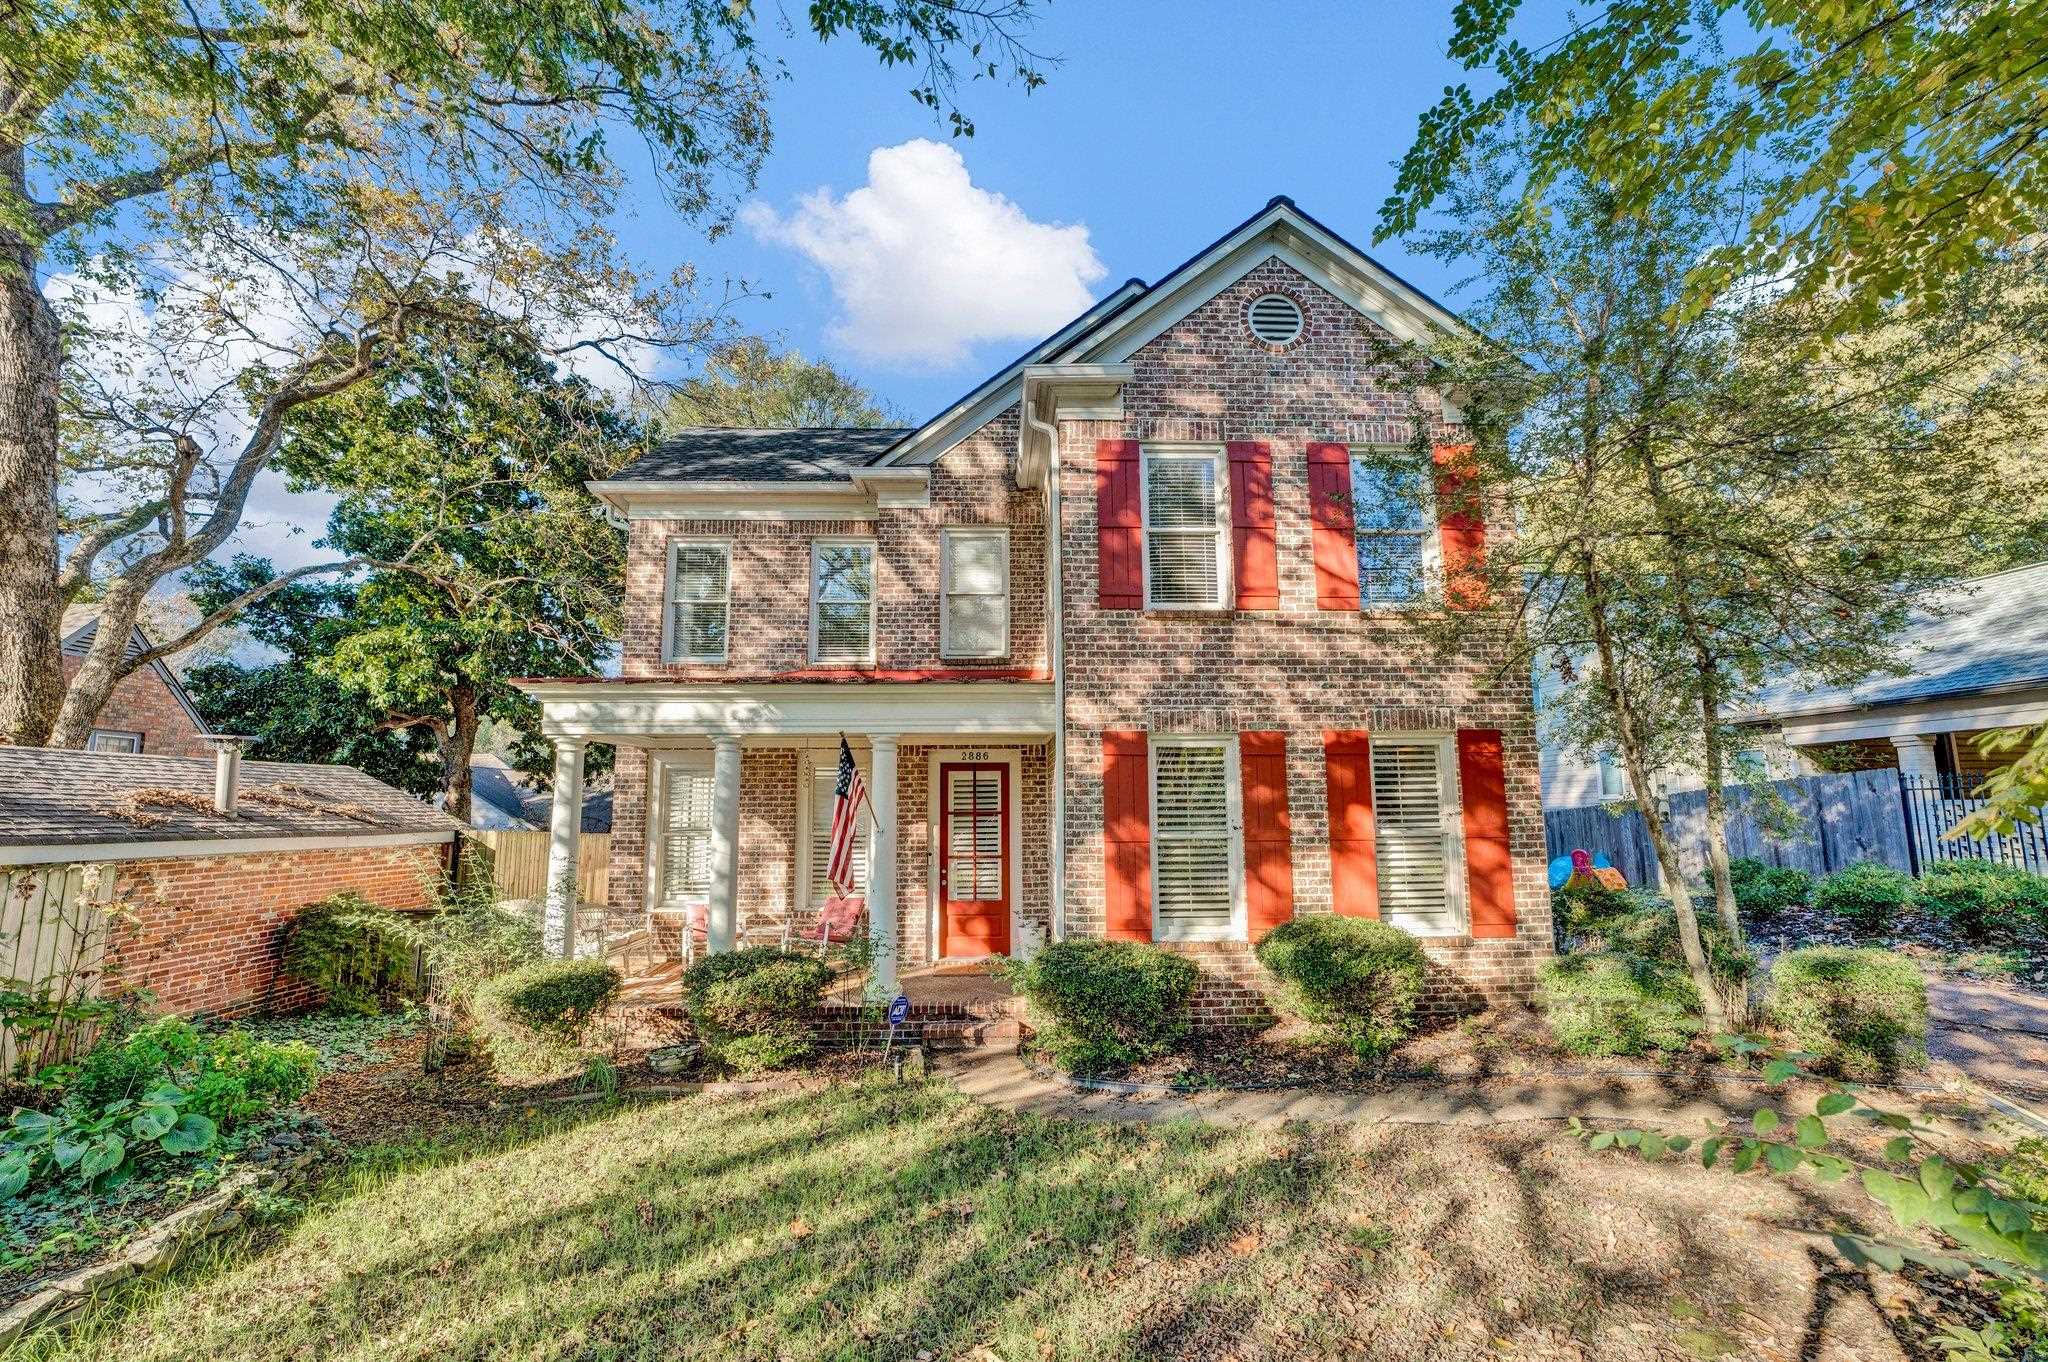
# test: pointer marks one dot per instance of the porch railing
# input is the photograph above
(1934, 804)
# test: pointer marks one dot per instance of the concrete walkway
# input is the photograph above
(1998, 1036)
(1002, 1079)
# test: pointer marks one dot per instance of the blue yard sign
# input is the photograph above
(899, 1011)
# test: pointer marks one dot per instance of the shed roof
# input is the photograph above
(57, 797)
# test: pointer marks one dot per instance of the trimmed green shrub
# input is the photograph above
(1589, 908)
(533, 1018)
(1356, 978)
(1985, 900)
(1763, 890)
(1108, 1003)
(753, 1008)
(1869, 894)
(351, 950)
(1652, 934)
(1616, 1003)
(1861, 1013)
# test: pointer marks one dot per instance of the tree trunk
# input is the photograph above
(31, 612)
(458, 745)
(103, 668)
(1635, 756)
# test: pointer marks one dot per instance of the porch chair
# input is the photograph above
(840, 919)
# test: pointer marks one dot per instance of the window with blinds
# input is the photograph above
(686, 836)
(1414, 811)
(824, 783)
(974, 572)
(700, 601)
(1390, 509)
(1193, 885)
(974, 834)
(842, 601)
(1187, 529)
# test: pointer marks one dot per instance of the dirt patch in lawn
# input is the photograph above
(2020, 963)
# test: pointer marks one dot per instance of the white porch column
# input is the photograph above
(565, 838)
(1916, 755)
(882, 862)
(722, 928)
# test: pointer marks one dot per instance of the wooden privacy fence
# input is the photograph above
(519, 863)
(53, 938)
(1839, 820)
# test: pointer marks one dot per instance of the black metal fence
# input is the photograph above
(1935, 804)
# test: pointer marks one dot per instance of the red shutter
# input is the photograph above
(1347, 776)
(1126, 837)
(1268, 832)
(1489, 868)
(1461, 522)
(1331, 526)
(1119, 526)
(1255, 554)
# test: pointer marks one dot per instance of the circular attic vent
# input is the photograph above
(1275, 318)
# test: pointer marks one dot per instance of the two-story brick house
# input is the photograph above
(1125, 640)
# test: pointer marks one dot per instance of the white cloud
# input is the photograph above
(925, 264)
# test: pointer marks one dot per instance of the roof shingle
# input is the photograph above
(734, 454)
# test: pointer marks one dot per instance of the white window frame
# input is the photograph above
(668, 599)
(664, 769)
(1451, 810)
(1608, 770)
(1233, 797)
(93, 738)
(816, 765)
(874, 591)
(948, 536)
(1431, 532)
(1225, 586)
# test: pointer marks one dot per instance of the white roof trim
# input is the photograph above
(637, 711)
(856, 496)
(66, 853)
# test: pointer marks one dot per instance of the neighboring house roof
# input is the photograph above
(1991, 635)
(597, 809)
(501, 799)
(734, 454)
(58, 797)
(82, 625)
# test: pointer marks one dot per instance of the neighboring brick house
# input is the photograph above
(195, 902)
(148, 710)
(1204, 704)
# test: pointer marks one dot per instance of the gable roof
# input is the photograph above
(58, 797)
(1989, 635)
(740, 454)
(82, 625)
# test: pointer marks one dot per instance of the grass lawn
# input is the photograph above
(870, 1220)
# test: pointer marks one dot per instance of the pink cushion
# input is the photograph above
(840, 918)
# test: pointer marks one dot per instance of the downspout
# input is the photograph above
(1056, 659)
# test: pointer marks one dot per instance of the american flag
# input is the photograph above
(847, 797)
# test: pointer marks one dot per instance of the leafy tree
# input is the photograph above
(1893, 145)
(218, 213)
(1694, 514)
(2016, 793)
(744, 383)
(459, 474)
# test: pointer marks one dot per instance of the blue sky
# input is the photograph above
(1165, 124)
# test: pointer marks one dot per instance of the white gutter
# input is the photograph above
(1055, 641)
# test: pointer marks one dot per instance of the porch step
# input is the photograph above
(1005, 1033)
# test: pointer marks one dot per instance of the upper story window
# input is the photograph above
(843, 600)
(113, 740)
(1195, 804)
(974, 579)
(1416, 842)
(1393, 518)
(1187, 529)
(700, 600)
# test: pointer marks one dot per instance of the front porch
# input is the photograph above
(722, 806)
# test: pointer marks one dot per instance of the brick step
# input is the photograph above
(996, 1034)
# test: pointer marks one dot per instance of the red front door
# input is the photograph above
(974, 859)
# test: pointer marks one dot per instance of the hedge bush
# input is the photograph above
(1985, 900)
(1592, 909)
(1869, 894)
(1861, 1013)
(533, 1018)
(752, 1008)
(1763, 890)
(1617, 1003)
(1652, 934)
(1109, 1003)
(1356, 978)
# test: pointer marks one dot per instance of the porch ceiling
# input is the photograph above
(634, 711)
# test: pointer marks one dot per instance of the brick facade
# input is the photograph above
(1298, 670)
(205, 934)
(141, 703)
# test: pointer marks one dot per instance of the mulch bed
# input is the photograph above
(1925, 939)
